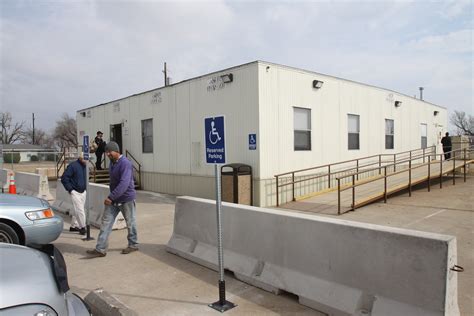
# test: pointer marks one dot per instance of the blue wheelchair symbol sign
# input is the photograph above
(85, 146)
(214, 132)
(252, 141)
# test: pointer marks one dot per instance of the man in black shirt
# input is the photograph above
(100, 149)
(447, 146)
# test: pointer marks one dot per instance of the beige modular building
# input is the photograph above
(298, 118)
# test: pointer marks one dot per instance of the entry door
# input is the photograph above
(116, 134)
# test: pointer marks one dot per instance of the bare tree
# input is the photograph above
(65, 133)
(41, 138)
(464, 123)
(9, 132)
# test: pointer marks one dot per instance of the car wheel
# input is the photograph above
(8, 234)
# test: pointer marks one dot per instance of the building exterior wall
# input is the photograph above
(177, 164)
(282, 88)
(260, 101)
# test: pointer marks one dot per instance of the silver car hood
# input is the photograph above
(26, 277)
(15, 200)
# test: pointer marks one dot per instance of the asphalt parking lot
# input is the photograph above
(153, 281)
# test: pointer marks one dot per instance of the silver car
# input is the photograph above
(27, 220)
(34, 282)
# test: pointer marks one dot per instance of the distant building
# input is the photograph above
(28, 151)
(298, 118)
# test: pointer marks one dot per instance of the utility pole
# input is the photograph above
(166, 76)
(33, 129)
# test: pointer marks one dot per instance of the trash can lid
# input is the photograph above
(237, 166)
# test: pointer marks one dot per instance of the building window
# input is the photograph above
(389, 134)
(302, 127)
(424, 135)
(353, 128)
(147, 136)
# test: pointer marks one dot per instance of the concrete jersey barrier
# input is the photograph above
(32, 184)
(4, 180)
(97, 194)
(334, 266)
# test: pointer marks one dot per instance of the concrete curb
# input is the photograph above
(104, 304)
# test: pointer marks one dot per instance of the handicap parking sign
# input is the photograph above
(252, 141)
(85, 146)
(214, 132)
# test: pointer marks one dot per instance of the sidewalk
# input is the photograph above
(153, 282)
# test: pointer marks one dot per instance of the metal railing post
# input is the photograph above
(385, 186)
(380, 164)
(293, 186)
(423, 155)
(429, 173)
(454, 168)
(353, 192)
(338, 196)
(465, 164)
(329, 176)
(394, 162)
(277, 191)
(357, 168)
(440, 171)
(409, 177)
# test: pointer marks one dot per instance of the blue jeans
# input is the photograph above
(108, 219)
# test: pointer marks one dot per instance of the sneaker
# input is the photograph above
(74, 229)
(128, 250)
(95, 254)
(82, 231)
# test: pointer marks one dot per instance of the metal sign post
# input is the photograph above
(214, 133)
(85, 152)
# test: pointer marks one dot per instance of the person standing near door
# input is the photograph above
(447, 146)
(99, 150)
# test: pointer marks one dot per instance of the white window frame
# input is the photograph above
(389, 134)
(350, 133)
(301, 128)
(148, 137)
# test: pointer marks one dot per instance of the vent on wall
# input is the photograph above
(83, 114)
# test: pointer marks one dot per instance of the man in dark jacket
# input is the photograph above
(121, 199)
(447, 146)
(99, 149)
(74, 181)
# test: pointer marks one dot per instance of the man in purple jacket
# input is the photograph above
(121, 199)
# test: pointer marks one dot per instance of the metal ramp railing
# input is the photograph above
(384, 181)
(324, 178)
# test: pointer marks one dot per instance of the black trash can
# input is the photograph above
(237, 183)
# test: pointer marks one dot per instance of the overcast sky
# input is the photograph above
(61, 56)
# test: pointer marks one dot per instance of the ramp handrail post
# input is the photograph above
(380, 164)
(394, 162)
(429, 173)
(409, 177)
(385, 185)
(338, 196)
(465, 164)
(293, 186)
(454, 168)
(353, 192)
(357, 168)
(441, 171)
(329, 176)
(277, 190)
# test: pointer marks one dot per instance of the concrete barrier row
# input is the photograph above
(4, 180)
(29, 184)
(334, 266)
(97, 194)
